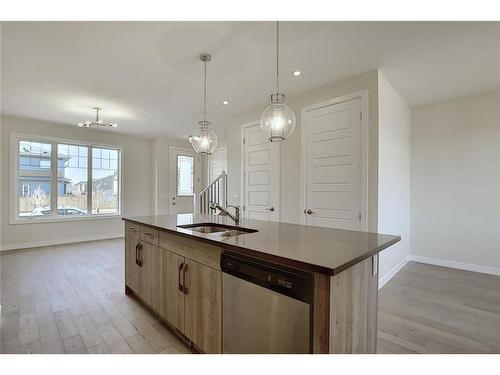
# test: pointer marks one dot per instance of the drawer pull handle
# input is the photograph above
(130, 229)
(148, 235)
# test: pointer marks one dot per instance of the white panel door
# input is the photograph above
(333, 165)
(261, 176)
(184, 180)
(217, 163)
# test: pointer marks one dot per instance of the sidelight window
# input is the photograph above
(185, 175)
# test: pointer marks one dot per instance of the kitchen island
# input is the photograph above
(173, 265)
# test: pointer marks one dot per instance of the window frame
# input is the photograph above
(54, 141)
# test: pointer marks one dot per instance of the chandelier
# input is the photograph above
(204, 141)
(277, 121)
(97, 122)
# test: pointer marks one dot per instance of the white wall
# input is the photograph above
(291, 205)
(456, 181)
(393, 176)
(136, 178)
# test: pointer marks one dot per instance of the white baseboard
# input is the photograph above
(457, 265)
(389, 275)
(28, 245)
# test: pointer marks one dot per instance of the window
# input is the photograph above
(72, 175)
(25, 190)
(104, 181)
(80, 180)
(35, 178)
(185, 175)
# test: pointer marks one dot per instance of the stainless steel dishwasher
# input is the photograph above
(266, 308)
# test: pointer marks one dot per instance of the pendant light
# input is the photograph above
(204, 141)
(277, 121)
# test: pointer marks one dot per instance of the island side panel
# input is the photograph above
(353, 308)
(321, 318)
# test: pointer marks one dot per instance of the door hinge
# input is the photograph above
(243, 140)
(359, 216)
(361, 116)
(243, 207)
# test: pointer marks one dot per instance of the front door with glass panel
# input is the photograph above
(184, 180)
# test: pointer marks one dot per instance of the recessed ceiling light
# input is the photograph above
(225, 102)
(296, 73)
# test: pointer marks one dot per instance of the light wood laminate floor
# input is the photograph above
(70, 299)
(431, 309)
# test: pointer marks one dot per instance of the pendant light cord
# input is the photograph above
(205, 94)
(277, 56)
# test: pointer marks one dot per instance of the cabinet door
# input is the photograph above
(203, 316)
(132, 270)
(171, 298)
(148, 255)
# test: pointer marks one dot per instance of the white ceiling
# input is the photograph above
(147, 76)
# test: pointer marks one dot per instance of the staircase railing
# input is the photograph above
(215, 192)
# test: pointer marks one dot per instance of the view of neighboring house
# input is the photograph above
(34, 169)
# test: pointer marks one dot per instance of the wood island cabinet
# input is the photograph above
(148, 289)
(203, 307)
(180, 280)
(171, 297)
(132, 268)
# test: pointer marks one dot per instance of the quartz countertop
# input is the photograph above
(316, 249)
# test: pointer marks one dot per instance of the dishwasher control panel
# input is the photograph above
(293, 283)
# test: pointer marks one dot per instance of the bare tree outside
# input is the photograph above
(38, 197)
(98, 200)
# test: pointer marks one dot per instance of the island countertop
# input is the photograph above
(313, 248)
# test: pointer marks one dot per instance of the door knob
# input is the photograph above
(309, 212)
(270, 209)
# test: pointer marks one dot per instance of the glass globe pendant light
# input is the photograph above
(204, 141)
(277, 121)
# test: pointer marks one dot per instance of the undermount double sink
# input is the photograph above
(219, 229)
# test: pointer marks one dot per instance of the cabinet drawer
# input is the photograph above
(132, 228)
(198, 251)
(149, 235)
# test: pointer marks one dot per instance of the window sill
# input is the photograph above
(63, 219)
